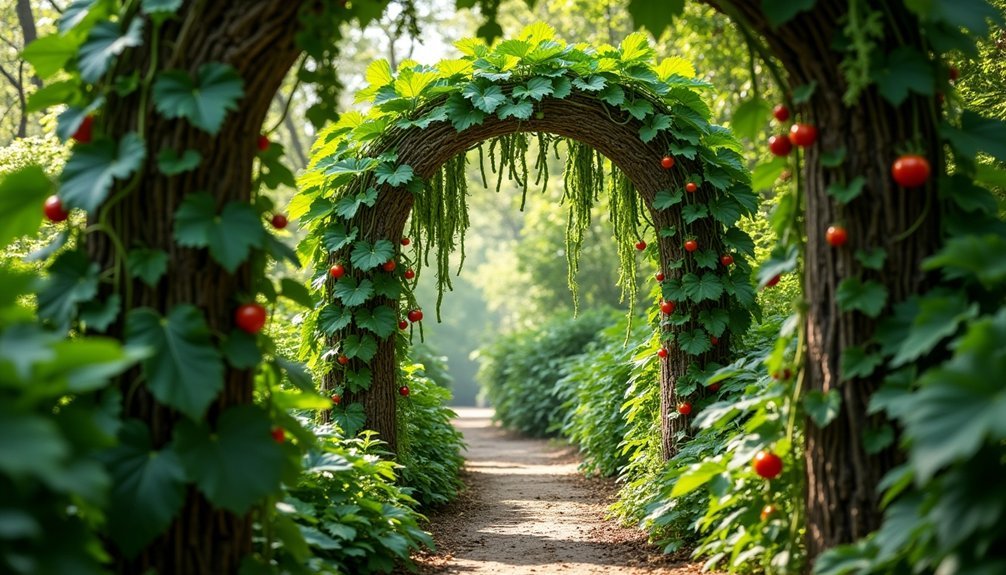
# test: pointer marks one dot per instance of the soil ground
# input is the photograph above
(528, 511)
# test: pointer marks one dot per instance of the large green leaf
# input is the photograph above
(905, 70)
(655, 16)
(521, 110)
(367, 255)
(535, 89)
(90, 171)
(387, 173)
(462, 113)
(667, 198)
(50, 53)
(106, 41)
(822, 407)
(714, 320)
(31, 445)
(939, 317)
(977, 134)
(204, 100)
(694, 342)
(229, 236)
(348, 205)
(868, 297)
(981, 256)
(237, 464)
(701, 288)
(381, 320)
(334, 317)
(971, 14)
(148, 488)
(147, 265)
(857, 363)
(779, 12)
(695, 476)
(653, 126)
(73, 279)
(353, 293)
(185, 370)
(484, 97)
(172, 164)
(361, 346)
(337, 236)
(22, 194)
(749, 118)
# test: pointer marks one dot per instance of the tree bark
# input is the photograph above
(28, 30)
(841, 497)
(257, 39)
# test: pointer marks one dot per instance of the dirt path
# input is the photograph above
(528, 511)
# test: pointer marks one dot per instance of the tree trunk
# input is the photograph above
(28, 31)
(842, 498)
(257, 39)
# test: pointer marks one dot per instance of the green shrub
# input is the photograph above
(429, 447)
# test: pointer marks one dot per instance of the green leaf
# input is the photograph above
(981, 256)
(977, 134)
(590, 83)
(655, 16)
(73, 279)
(694, 342)
(765, 174)
(535, 89)
(653, 126)
(701, 288)
(726, 210)
(484, 98)
(148, 488)
(693, 212)
(351, 293)
(802, 94)
(822, 407)
(939, 317)
(971, 14)
(88, 175)
(868, 297)
(105, 42)
(695, 476)
(707, 259)
(296, 292)
(160, 8)
(171, 164)
(50, 53)
(351, 419)
(97, 315)
(667, 198)
(229, 236)
(359, 380)
(367, 256)
(347, 206)
(521, 110)
(31, 446)
(857, 363)
(381, 320)
(561, 87)
(185, 371)
(337, 236)
(462, 114)
(847, 193)
(334, 317)
(714, 320)
(52, 94)
(363, 347)
(748, 119)
(241, 349)
(905, 70)
(872, 259)
(387, 285)
(638, 109)
(22, 194)
(147, 265)
(613, 95)
(204, 100)
(297, 373)
(387, 174)
(833, 158)
(739, 240)
(219, 461)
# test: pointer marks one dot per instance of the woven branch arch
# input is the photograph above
(367, 173)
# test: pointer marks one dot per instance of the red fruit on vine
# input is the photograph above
(53, 209)
(767, 511)
(667, 307)
(780, 145)
(403, 391)
(250, 317)
(406, 241)
(337, 271)
(714, 340)
(910, 170)
(954, 73)
(389, 266)
(263, 142)
(767, 464)
(409, 274)
(278, 435)
(336, 399)
(83, 133)
(691, 245)
(803, 135)
(684, 408)
(773, 281)
(784, 375)
(727, 259)
(780, 112)
(659, 276)
(662, 352)
(279, 221)
(402, 324)
(714, 387)
(416, 315)
(343, 360)
(667, 162)
(836, 236)
(640, 245)
(691, 187)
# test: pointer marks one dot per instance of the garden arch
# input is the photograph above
(368, 172)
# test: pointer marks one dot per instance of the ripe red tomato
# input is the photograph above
(727, 259)
(278, 435)
(910, 170)
(53, 209)
(774, 281)
(667, 162)
(662, 352)
(767, 511)
(343, 360)
(263, 142)
(409, 274)
(337, 271)
(836, 236)
(714, 387)
(667, 307)
(780, 145)
(279, 221)
(691, 187)
(250, 317)
(767, 464)
(684, 408)
(336, 399)
(691, 245)
(416, 315)
(803, 135)
(402, 324)
(389, 266)
(84, 133)
(640, 245)
(403, 391)
(780, 112)
(406, 241)
(714, 340)
(659, 277)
